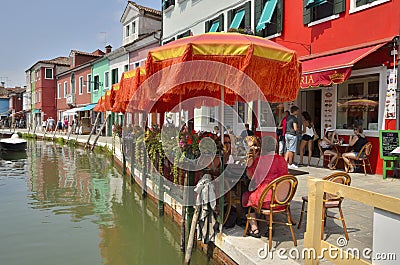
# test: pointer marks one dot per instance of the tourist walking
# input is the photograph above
(307, 137)
(291, 136)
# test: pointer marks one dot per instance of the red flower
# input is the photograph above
(190, 141)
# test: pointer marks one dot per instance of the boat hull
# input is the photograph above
(13, 146)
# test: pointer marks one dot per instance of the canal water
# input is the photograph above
(63, 205)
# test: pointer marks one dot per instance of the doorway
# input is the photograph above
(311, 101)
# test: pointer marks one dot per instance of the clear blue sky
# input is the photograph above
(31, 31)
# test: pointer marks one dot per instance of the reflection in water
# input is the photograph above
(79, 210)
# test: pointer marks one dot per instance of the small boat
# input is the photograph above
(14, 143)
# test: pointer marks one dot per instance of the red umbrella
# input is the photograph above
(110, 97)
(273, 68)
(129, 83)
(100, 105)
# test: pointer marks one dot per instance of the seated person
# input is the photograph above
(357, 141)
(261, 170)
(327, 147)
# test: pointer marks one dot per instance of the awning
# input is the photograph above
(214, 27)
(332, 69)
(313, 3)
(71, 112)
(36, 111)
(266, 14)
(237, 19)
(88, 107)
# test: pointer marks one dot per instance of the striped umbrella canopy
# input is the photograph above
(128, 85)
(274, 68)
(359, 102)
(110, 97)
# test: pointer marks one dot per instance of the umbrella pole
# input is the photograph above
(221, 182)
(98, 134)
(94, 128)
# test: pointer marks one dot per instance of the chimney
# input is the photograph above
(108, 48)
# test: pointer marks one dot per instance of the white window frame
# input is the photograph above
(65, 89)
(106, 80)
(45, 73)
(89, 83)
(80, 85)
(134, 27)
(354, 9)
(323, 20)
(381, 70)
(94, 85)
(59, 90)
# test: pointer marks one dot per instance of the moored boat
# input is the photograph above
(14, 143)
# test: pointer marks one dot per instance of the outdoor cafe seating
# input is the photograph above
(331, 201)
(281, 191)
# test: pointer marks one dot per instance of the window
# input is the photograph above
(72, 83)
(59, 90)
(215, 25)
(65, 89)
(89, 84)
(212, 115)
(183, 35)
(168, 40)
(127, 31)
(133, 27)
(80, 85)
(167, 3)
(239, 18)
(271, 114)
(114, 76)
(126, 67)
(137, 64)
(358, 101)
(106, 80)
(96, 82)
(314, 10)
(48, 73)
(268, 17)
(241, 112)
(358, 5)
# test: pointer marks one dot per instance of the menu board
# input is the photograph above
(388, 141)
(390, 103)
(328, 108)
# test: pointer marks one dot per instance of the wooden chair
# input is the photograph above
(322, 155)
(331, 201)
(281, 191)
(363, 157)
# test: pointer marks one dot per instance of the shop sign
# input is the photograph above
(325, 78)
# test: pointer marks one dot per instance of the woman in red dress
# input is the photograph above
(261, 171)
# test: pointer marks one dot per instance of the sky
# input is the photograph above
(31, 31)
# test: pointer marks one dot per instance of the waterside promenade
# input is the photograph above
(248, 250)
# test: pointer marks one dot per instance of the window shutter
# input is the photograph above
(258, 7)
(279, 16)
(207, 26)
(230, 17)
(306, 13)
(339, 6)
(247, 14)
(221, 22)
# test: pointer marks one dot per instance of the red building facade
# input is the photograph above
(346, 47)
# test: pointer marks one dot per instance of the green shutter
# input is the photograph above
(306, 13)
(230, 17)
(339, 6)
(207, 26)
(258, 8)
(247, 14)
(279, 16)
(221, 22)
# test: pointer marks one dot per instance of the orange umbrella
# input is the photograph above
(129, 83)
(100, 104)
(110, 97)
(274, 69)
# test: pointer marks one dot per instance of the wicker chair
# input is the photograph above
(362, 158)
(281, 191)
(330, 201)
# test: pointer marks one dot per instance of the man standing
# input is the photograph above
(246, 132)
(291, 136)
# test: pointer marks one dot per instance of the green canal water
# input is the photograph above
(63, 205)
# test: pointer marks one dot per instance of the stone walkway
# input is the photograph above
(359, 217)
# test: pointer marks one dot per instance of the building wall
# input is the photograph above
(193, 14)
(85, 98)
(367, 25)
(119, 63)
(140, 55)
(46, 88)
(61, 101)
(99, 68)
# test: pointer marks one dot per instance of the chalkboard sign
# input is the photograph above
(388, 141)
